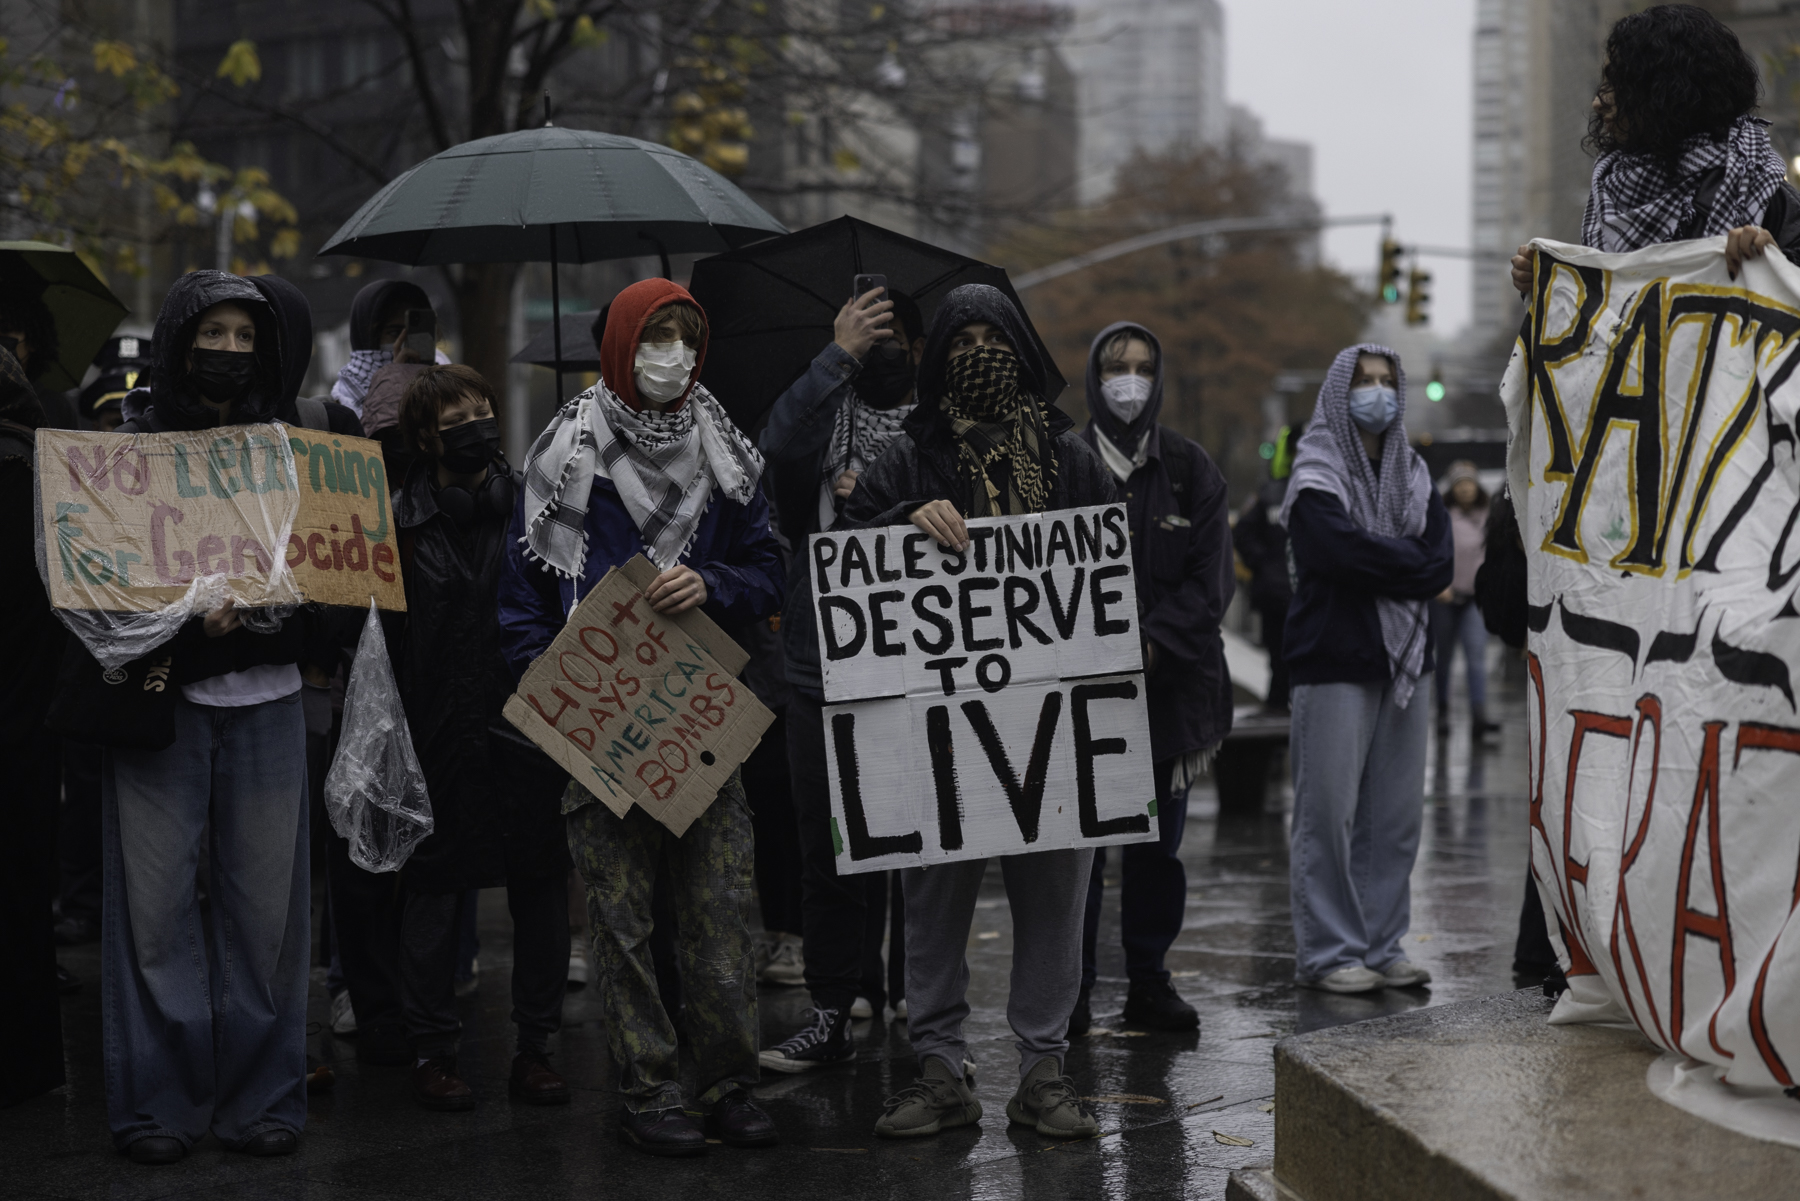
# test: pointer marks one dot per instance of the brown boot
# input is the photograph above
(534, 1083)
(437, 1086)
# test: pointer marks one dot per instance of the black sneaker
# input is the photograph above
(1156, 1004)
(1082, 1019)
(827, 1040)
(666, 1132)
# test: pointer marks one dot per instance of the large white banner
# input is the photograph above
(1652, 402)
(988, 702)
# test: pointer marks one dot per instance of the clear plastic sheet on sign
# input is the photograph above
(139, 532)
(375, 791)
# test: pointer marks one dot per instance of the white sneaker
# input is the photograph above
(1405, 974)
(861, 1010)
(1348, 980)
(578, 962)
(787, 963)
(343, 1018)
(900, 1009)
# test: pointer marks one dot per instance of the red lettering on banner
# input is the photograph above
(296, 551)
(140, 474)
(611, 642)
(211, 545)
(623, 610)
(160, 512)
(1690, 922)
(315, 548)
(568, 702)
(1574, 873)
(380, 555)
(662, 785)
(589, 680)
(678, 749)
(655, 635)
(1758, 737)
(646, 654)
(717, 684)
(708, 712)
(78, 467)
(1649, 714)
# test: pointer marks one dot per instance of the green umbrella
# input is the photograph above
(553, 195)
(83, 309)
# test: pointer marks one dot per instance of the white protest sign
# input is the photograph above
(1652, 401)
(989, 702)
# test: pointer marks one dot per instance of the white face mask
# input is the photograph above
(662, 369)
(1126, 395)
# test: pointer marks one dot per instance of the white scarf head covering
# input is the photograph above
(1331, 459)
(858, 436)
(664, 465)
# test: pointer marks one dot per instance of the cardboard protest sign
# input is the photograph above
(640, 707)
(285, 514)
(989, 702)
(343, 548)
(1653, 403)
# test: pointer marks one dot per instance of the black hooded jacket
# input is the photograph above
(1181, 556)
(375, 299)
(174, 404)
(922, 465)
(294, 315)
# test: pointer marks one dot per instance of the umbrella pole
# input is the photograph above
(556, 317)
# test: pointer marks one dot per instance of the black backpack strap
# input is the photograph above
(312, 413)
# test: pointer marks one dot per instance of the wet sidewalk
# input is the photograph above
(1172, 1107)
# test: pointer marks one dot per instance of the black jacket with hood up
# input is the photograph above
(175, 405)
(1181, 553)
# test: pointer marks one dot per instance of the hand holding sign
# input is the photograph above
(987, 698)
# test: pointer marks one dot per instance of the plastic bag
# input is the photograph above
(375, 792)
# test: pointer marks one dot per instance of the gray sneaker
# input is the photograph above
(1048, 1101)
(937, 1100)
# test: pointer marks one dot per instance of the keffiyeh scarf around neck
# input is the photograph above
(993, 420)
(1331, 459)
(1635, 201)
(355, 376)
(858, 436)
(664, 466)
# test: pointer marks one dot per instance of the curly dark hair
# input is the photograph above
(426, 397)
(1671, 72)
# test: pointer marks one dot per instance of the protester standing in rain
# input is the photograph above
(1455, 619)
(823, 432)
(983, 442)
(646, 462)
(1181, 555)
(235, 774)
(1371, 545)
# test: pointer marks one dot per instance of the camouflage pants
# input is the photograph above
(709, 869)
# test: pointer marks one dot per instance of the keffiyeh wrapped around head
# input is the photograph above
(1636, 200)
(1331, 458)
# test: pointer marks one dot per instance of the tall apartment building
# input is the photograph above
(1151, 76)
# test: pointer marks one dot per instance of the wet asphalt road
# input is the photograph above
(1163, 1099)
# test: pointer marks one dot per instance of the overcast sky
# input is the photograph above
(1383, 91)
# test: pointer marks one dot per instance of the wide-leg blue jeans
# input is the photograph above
(203, 1016)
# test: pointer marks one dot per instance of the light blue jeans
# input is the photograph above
(1453, 625)
(1359, 793)
(203, 1020)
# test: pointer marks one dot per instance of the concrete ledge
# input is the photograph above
(1483, 1100)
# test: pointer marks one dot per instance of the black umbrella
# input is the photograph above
(552, 195)
(771, 306)
(578, 350)
(83, 309)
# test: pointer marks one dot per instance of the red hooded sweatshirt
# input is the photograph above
(630, 312)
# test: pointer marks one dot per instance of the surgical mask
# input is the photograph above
(1373, 407)
(470, 446)
(222, 375)
(1126, 396)
(886, 377)
(662, 370)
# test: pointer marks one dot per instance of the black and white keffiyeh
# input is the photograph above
(1635, 201)
(1331, 459)
(664, 466)
(858, 436)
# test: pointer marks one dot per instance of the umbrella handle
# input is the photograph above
(661, 252)
(555, 304)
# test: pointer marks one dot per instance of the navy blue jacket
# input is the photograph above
(793, 446)
(734, 551)
(1333, 633)
(1181, 559)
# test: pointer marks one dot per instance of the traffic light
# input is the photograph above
(1418, 297)
(1389, 276)
(1434, 391)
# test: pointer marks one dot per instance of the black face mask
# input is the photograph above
(222, 375)
(470, 446)
(886, 377)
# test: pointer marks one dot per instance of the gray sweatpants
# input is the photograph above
(1359, 785)
(1047, 892)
